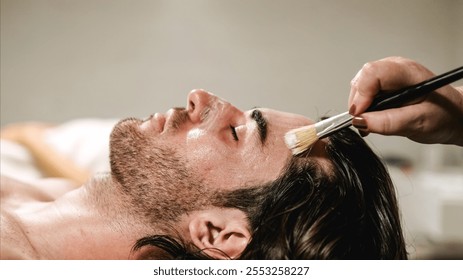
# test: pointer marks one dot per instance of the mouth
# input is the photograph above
(159, 123)
(154, 123)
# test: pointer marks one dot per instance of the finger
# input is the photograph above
(404, 121)
(364, 87)
(354, 87)
(372, 78)
(383, 75)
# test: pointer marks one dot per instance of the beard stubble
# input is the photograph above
(153, 176)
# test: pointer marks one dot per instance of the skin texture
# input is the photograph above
(436, 118)
(183, 148)
(312, 211)
(164, 170)
(206, 141)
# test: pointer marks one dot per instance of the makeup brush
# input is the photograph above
(301, 139)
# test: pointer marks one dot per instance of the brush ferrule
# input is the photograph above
(333, 124)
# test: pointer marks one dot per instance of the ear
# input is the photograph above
(222, 230)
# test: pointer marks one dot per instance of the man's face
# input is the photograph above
(223, 145)
(210, 144)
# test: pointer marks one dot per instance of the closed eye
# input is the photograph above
(233, 131)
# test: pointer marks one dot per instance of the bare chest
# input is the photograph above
(14, 242)
(17, 197)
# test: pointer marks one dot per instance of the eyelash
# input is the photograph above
(233, 131)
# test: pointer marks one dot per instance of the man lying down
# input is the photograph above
(211, 182)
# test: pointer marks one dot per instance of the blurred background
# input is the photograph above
(68, 59)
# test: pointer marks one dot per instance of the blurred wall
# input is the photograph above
(458, 33)
(65, 59)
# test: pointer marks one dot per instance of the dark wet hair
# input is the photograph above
(347, 212)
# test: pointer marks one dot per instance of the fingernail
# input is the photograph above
(363, 133)
(359, 123)
(352, 110)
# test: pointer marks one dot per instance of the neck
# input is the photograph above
(91, 222)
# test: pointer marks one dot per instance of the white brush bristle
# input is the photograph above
(300, 139)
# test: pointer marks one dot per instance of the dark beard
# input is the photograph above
(153, 177)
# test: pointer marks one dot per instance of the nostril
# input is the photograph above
(198, 101)
(191, 106)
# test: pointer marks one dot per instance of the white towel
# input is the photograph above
(84, 141)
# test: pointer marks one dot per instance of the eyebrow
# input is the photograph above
(261, 124)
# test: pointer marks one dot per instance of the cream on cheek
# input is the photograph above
(261, 164)
(194, 133)
(202, 155)
(211, 159)
(198, 146)
(216, 163)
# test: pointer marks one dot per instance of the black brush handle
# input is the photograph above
(398, 98)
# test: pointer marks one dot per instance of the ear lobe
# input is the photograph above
(220, 232)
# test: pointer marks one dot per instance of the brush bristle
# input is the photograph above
(300, 139)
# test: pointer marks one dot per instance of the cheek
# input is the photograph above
(203, 158)
(222, 167)
(266, 166)
(217, 165)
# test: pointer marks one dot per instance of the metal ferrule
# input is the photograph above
(330, 125)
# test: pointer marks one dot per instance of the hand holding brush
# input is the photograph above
(411, 111)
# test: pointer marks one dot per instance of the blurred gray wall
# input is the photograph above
(66, 59)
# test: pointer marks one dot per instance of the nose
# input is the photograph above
(198, 102)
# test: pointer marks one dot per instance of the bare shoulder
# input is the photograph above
(14, 243)
(41, 190)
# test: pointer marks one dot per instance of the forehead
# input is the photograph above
(284, 120)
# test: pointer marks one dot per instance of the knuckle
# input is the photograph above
(386, 126)
(354, 82)
(420, 124)
(369, 67)
(367, 71)
(398, 59)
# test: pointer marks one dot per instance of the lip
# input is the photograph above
(155, 123)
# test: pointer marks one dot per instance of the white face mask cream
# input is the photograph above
(194, 133)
